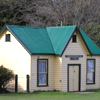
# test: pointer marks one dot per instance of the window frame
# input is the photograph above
(6, 38)
(91, 71)
(75, 38)
(39, 85)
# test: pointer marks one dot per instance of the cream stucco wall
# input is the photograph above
(16, 58)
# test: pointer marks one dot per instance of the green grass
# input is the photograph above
(51, 96)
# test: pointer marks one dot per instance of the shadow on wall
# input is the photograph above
(17, 85)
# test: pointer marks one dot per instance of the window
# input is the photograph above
(74, 38)
(90, 71)
(42, 72)
(7, 37)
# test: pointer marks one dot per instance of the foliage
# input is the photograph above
(6, 75)
(93, 30)
(84, 13)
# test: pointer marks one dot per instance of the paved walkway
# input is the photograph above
(84, 92)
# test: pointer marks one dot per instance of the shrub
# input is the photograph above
(6, 75)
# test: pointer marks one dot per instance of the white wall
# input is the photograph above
(16, 58)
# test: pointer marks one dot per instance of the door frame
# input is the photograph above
(79, 88)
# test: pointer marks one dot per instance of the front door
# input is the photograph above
(73, 78)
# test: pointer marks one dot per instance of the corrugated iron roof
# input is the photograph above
(35, 39)
(94, 49)
(48, 40)
(59, 36)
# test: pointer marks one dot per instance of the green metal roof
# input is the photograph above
(93, 48)
(59, 36)
(48, 40)
(35, 39)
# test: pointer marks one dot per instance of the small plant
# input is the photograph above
(6, 75)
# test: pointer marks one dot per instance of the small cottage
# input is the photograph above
(59, 58)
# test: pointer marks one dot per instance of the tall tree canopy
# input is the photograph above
(84, 13)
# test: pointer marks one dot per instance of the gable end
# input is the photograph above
(26, 48)
(77, 30)
(84, 41)
(66, 44)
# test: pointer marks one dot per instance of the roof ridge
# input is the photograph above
(50, 40)
(60, 26)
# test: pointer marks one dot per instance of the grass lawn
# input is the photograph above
(51, 96)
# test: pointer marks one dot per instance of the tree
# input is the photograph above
(81, 12)
(6, 75)
(84, 13)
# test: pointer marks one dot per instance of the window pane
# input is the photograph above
(42, 79)
(7, 37)
(42, 66)
(74, 38)
(90, 66)
(90, 77)
(42, 73)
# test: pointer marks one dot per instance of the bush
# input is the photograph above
(6, 75)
